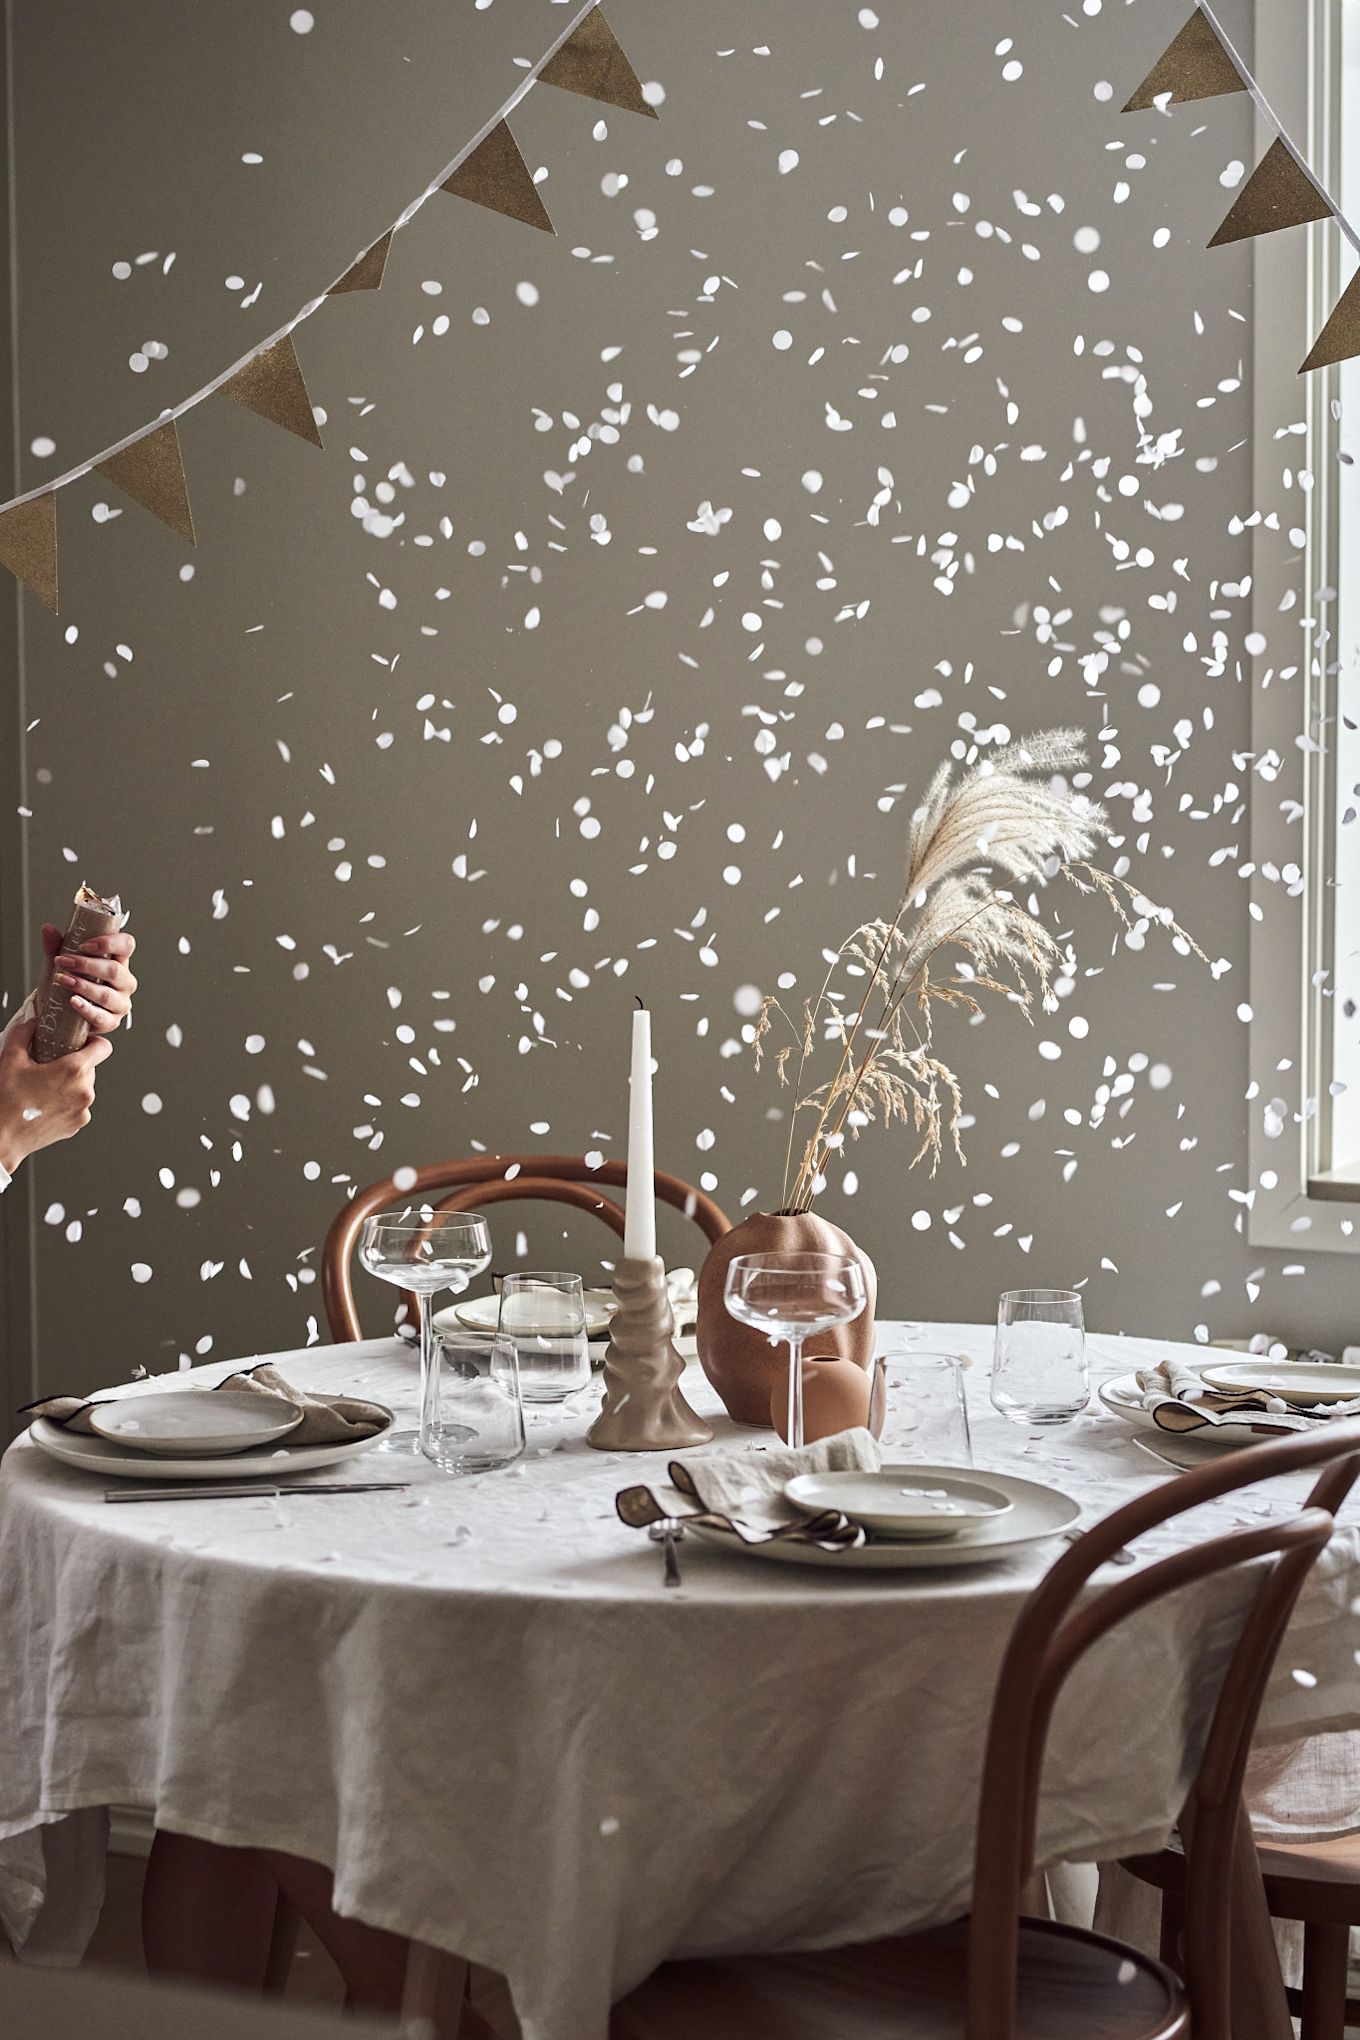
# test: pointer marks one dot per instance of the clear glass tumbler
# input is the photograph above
(543, 1315)
(423, 1250)
(789, 1297)
(918, 1410)
(1039, 1372)
(473, 1418)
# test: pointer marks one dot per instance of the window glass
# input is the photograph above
(1344, 1144)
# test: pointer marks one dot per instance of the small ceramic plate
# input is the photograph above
(191, 1423)
(104, 1457)
(1305, 1383)
(902, 1502)
(1039, 1513)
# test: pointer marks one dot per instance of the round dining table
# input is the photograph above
(478, 1703)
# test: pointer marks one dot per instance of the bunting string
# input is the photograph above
(488, 170)
(1201, 62)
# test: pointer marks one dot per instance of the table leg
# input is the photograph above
(1260, 2010)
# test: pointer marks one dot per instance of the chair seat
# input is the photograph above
(1314, 1881)
(1334, 1861)
(1073, 1986)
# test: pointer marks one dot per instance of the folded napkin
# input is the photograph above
(1179, 1399)
(744, 1492)
(326, 1419)
(682, 1290)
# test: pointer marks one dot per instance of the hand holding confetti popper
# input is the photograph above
(86, 983)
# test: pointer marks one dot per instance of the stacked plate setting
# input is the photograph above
(191, 1434)
(917, 1517)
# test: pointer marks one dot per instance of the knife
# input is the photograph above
(212, 1491)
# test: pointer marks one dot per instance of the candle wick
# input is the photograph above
(641, 1007)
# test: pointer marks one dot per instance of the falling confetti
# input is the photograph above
(843, 441)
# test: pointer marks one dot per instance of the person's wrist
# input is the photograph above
(12, 1150)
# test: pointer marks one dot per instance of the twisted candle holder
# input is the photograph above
(643, 1409)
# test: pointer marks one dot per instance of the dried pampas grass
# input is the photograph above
(957, 933)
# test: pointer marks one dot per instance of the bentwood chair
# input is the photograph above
(479, 1180)
(995, 1975)
(1315, 1882)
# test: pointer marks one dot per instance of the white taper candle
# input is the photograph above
(639, 1229)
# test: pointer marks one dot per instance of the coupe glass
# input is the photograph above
(918, 1408)
(793, 1296)
(543, 1315)
(424, 1250)
(473, 1419)
(1039, 1373)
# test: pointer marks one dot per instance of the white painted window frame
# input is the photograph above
(1297, 1202)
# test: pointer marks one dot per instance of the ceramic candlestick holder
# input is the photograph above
(643, 1409)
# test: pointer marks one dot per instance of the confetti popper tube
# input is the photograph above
(59, 1031)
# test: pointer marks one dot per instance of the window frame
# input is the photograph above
(1298, 276)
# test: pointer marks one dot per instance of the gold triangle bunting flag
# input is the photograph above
(592, 63)
(1339, 339)
(1194, 65)
(151, 471)
(497, 176)
(367, 272)
(271, 385)
(28, 546)
(1277, 194)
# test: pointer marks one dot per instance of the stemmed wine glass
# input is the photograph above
(424, 1250)
(791, 1296)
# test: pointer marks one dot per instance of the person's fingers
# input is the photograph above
(99, 969)
(120, 945)
(98, 1019)
(51, 939)
(107, 984)
(92, 968)
(96, 1050)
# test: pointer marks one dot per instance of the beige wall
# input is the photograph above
(282, 664)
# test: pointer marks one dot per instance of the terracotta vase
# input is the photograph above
(837, 1396)
(740, 1362)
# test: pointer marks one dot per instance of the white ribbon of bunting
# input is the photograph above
(585, 57)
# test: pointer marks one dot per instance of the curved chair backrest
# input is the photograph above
(1061, 1621)
(475, 1180)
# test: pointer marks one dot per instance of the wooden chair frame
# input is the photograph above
(491, 1179)
(1057, 1626)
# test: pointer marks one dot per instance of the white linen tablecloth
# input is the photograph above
(477, 1704)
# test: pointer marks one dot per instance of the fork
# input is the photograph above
(668, 1531)
(1121, 1557)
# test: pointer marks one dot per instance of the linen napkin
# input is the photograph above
(744, 1492)
(1179, 1400)
(326, 1419)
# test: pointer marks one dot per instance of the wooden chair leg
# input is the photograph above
(283, 1943)
(1173, 1926)
(1326, 1951)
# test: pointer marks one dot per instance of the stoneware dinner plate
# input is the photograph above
(268, 1462)
(190, 1423)
(1037, 1512)
(1124, 1398)
(1303, 1383)
(903, 1501)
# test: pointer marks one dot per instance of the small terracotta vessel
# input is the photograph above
(836, 1396)
(739, 1361)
